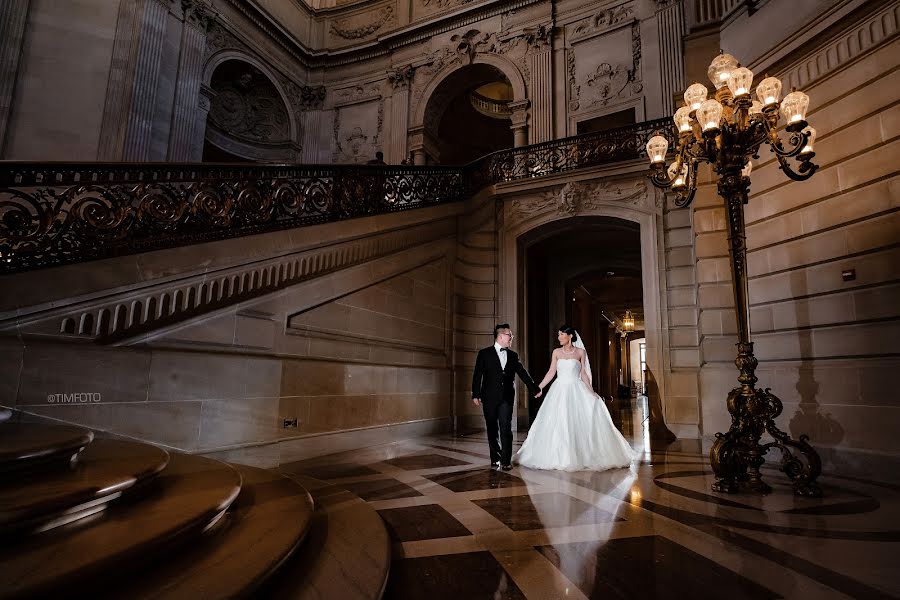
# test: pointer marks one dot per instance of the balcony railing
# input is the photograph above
(59, 213)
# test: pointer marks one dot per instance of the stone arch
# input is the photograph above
(639, 203)
(288, 150)
(501, 63)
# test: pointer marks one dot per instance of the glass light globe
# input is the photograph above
(769, 90)
(809, 143)
(745, 172)
(720, 69)
(709, 114)
(678, 176)
(794, 106)
(683, 119)
(740, 80)
(656, 149)
(695, 95)
(756, 107)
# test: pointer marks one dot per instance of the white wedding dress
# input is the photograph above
(573, 430)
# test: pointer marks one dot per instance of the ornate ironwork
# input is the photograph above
(566, 154)
(737, 455)
(53, 214)
(59, 213)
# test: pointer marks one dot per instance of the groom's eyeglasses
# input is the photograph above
(511, 336)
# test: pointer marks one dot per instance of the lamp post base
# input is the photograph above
(737, 455)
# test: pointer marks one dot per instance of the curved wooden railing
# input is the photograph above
(59, 213)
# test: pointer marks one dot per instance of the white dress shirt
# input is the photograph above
(502, 354)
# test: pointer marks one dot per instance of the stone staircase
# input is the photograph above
(119, 518)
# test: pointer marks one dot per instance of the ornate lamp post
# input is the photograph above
(726, 132)
(628, 321)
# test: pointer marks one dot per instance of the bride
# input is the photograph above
(573, 430)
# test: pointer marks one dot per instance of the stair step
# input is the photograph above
(347, 553)
(188, 496)
(39, 500)
(24, 445)
(260, 531)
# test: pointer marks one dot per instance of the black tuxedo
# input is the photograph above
(495, 386)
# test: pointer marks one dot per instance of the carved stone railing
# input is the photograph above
(496, 109)
(59, 213)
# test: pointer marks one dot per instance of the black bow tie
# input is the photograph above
(502, 349)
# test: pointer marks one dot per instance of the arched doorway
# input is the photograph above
(586, 272)
(248, 118)
(468, 114)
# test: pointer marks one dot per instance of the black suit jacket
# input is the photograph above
(495, 385)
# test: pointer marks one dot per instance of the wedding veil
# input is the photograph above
(587, 363)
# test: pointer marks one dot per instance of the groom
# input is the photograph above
(493, 390)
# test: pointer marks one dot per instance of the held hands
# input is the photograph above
(476, 401)
(540, 393)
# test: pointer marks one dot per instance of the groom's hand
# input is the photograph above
(539, 394)
(476, 401)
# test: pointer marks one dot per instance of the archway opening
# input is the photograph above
(248, 119)
(468, 115)
(586, 272)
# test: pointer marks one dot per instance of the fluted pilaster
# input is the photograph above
(671, 60)
(541, 95)
(13, 14)
(182, 146)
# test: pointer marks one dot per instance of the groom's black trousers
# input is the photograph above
(498, 418)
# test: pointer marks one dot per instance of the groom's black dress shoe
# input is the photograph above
(506, 467)
(495, 465)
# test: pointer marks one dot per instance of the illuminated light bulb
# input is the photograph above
(720, 69)
(657, 147)
(739, 81)
(794, 106)
(808, 148)
(769, 90)
(678, 176)
(695, 95)
(709, 115)
(683, 119)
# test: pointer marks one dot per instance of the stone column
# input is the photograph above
(13, 14)
(417, 145)
(399, 120)
(190, 72)
(198, 132)
(519, 122)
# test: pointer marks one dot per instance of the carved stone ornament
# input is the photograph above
(401, 77)
(445, 3)
(606, 82)
(197, 13)
(357, 93)
(368, 24)
(304, 98)
(579, 197)
(247, 106)
(601, 21)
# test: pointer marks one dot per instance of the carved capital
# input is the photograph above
(519, 116)
(197, 14)
(401, 77)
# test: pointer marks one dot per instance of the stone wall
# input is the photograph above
(827, 346)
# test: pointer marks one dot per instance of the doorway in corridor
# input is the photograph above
(586, 272)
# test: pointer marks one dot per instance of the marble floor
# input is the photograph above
(461, 530)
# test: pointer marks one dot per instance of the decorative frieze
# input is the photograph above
(600, 22)
(362, 26)
(575, 198)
